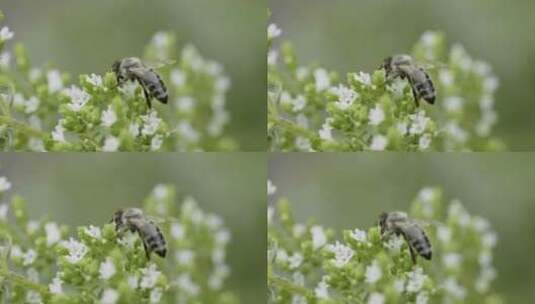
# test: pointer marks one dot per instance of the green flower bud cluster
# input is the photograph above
(41, 109)
(313, 109)
(309, 263)
(42, 261)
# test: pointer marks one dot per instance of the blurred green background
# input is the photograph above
(85, 188)
(87, 36)
(346, 191)
(356, 35)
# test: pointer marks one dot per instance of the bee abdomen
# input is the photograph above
(156, 243)
(423, 247)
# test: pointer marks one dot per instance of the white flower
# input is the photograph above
(422, 298)
(36, 145)
(416, 279)
(322, 290)
(295, 260)
(133, 129)
(107, 269)
(95, 80)
(151, 122)
(53, 235)
(379, 143)
(402, 128)
(177, 231)
(29, 257)
(281, 256)
(55, 286)
(109, 296)
(77, 250)
(325, 131)
(453, 103)
(108, 117)
(133, 281)
(222, 84)
(271, 188)
(429, 38)
(5, 57)
(318, 237)
(6, 34)
(424, 142)
(55, 83)
(376, 115)
(93, 232)
(490, 239)
(273, 31)
(302, 120)
(454, 289)
(4, 208)
(376, 298)
(186, 131)
(178, 78)
(399, 285)
(303, 144)
(299, 103)
(156, 143)
(394, 243)
(444, 234)
(4, 184)
(57, 134)
(482, 68)
(33, 297)
(342, 254)
(346, 96)
(491, 84)
(155, 295)
(186, 284)
(128, 89)
(397, 87)
(32, 105)
(184, 257)
(452, 260)
(364, 78)
(79, 97)
(185, 103)
(322, 80)
(418, 122)
(373, 272)
(298, 230)
(149, 276)
(456, 132)
(359, 235)
(446, 77)
(160, 39)
(111, 144)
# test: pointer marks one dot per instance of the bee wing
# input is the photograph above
(428, 65)
(161, 63)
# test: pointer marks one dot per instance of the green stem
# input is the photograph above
(23, 281)
(291, 126)
(285, 284)
(21, 127)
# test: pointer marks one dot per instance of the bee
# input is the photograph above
(134, 220)
(131, 68)
(399, 223)
(421, 84)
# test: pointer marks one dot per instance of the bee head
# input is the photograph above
(386, 64)
(115, 66)
(382, 222)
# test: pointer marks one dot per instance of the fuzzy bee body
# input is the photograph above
(133, 220)
(399, 223)
(421, 84)
(131, 68)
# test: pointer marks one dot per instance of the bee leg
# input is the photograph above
(416, 98)
(413, 255)
(147, 98)
(147, 252)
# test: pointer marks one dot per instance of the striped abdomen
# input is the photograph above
(153, 240)
(153, 83)
(423, 86)
(419, 241)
